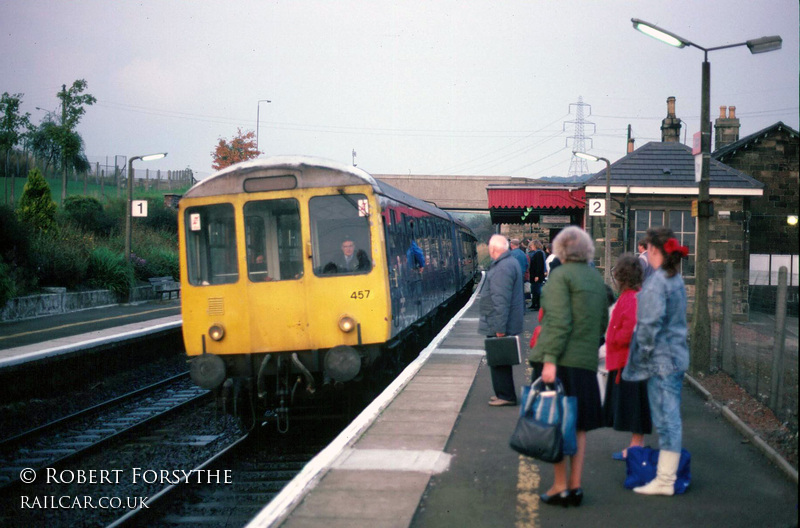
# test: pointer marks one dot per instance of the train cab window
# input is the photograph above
(272, 240)
(340, 234)
(211, 245)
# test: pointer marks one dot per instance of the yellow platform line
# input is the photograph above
(528, 480)
(84, 323)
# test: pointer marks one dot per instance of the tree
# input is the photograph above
(36, 206)
(72, 109)
(12, 127)
(241, 148)
(11, 121)
(56, 146)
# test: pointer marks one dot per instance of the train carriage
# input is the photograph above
(268, 290)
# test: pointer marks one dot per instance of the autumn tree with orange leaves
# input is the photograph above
(241, 148)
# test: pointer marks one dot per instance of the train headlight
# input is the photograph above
(347, 324)
(216, 332)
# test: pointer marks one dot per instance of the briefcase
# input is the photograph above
(503, 351)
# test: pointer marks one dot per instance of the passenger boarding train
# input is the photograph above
(297, 271)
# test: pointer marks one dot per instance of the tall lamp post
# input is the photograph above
(607, 267)
(700, 332)
(149, 157)
(258, 118)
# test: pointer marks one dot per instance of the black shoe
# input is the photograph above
(558, 499)
(575, 497)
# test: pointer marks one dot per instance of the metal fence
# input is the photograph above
(108, 172)
(758, 345)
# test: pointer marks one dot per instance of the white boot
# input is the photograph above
(666, 473)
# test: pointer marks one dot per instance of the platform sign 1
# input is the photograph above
(139, 208)
(597, 207)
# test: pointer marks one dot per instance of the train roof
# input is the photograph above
(231, 180)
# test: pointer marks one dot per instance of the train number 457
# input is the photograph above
(360, 294)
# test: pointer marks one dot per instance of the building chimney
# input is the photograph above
(671, 125)
(631, 148)
(726, 128)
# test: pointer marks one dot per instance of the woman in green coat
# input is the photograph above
(575, 308)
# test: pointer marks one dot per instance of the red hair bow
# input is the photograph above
(673, 246)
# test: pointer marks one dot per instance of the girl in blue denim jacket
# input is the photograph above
(660, 353)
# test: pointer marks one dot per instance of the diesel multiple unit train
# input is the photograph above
(298, 272)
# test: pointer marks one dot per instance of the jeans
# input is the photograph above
(664, 393)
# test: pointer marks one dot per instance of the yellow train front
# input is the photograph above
(302, 272)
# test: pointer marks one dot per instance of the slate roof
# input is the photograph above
(658, 164)
(747, 141)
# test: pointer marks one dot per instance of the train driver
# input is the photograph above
(350, 260)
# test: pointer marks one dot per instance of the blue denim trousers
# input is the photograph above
(664, 393)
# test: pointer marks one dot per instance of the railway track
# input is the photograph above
(63, 440)
(230, 488)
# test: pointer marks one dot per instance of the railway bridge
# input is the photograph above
(509, 200)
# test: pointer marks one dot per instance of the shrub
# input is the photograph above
(36, 205)
(158, 262)
(7, 289)
(87, 212)
(14, 238)
(61, 259)
(160, 217)
(156, 253)
(109, 270)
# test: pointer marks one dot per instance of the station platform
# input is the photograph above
(430, 452)
(63, 334)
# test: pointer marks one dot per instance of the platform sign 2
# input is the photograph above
(597, 207)
(139, 208)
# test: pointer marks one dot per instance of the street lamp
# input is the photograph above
(258, 117)
(607, 267)
(700, 333)
(149, 157)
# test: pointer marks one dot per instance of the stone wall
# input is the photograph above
(58, 301)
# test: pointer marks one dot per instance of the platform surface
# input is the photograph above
(437, 456)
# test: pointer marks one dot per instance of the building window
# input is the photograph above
(682, 224)
(764, 269)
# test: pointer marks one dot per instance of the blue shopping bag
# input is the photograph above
(552, 407)
(641, 464)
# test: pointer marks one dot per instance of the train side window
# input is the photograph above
(340, 234)
(272, 240)
(211, 245)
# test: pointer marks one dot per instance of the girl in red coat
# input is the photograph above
(626, 407)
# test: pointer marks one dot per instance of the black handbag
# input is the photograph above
(538, 434)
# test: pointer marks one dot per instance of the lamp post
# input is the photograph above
(149, 157)
(258, 118)
(607, 267)
(700, 332)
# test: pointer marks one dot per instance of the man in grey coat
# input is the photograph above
(502, 309)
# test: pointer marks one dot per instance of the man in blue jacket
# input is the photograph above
(502, 309)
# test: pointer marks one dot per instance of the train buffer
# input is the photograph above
(162, 285)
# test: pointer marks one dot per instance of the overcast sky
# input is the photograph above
(420, 87)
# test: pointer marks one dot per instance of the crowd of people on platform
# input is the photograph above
(643, 333)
